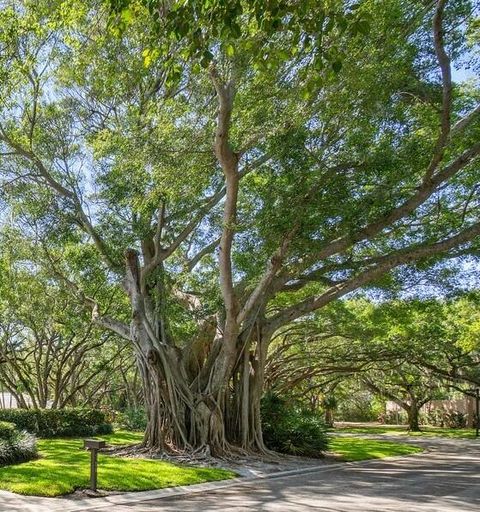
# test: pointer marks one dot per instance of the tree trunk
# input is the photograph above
(201, 395)
(329, 417)
(184, 413)
(413, 418)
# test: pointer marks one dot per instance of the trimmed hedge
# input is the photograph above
(15, 446)
(58, 422)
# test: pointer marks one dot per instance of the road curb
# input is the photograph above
(38, 504)
(132, 497)
(126, 498)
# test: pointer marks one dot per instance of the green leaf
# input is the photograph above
(337, 66)
(230, 50)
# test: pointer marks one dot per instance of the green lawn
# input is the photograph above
(64, 466)
(354, 448)
(395, 430)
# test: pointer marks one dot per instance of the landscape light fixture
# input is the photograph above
(93, 445)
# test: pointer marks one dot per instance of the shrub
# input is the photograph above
(456, 419)
(449, 419)
(15, 446)
(7, 429)
(394, 418)
(292, 430)
(132, 419)
(58, 422)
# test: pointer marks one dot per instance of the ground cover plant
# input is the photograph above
(15, 445)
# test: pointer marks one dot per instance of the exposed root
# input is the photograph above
(201, 455)
(240, 461)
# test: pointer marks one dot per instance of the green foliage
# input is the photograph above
(58, 422)
(132, 419)
(15, 445)
(359, 406)
(107, 146)
(51, 351)
(291, 430)
(195, 30)
(64, 466)
(329, 402)
(7, 429)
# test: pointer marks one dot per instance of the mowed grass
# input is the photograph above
(395, 430)
(354, 448)
(64, 466)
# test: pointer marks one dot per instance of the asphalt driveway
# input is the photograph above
(445, 478)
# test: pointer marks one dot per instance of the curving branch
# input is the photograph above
(81, 217)
(383, 265)
(208, 249)
(228, 160)
(273, 266)
(112, 324)
(444, 63)
(424, 192)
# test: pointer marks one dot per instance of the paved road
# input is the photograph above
(445, 479)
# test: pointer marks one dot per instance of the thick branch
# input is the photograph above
(228, 160)
(388, 262)
(111, 324)
(208, 249)
(444, 64)
(424, 191)
(273, 266)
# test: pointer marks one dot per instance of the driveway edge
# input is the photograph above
(132, 497)
(39, 504)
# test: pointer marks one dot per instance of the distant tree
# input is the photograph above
(407, 351)
(407, 386)
(50, 351)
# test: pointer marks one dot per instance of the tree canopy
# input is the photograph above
(196, 202)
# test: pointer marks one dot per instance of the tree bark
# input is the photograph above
(184, 414)
(413, 413)
(203, 396)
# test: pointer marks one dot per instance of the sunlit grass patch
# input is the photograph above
(395, 430)
(64, 466)
(353, 448)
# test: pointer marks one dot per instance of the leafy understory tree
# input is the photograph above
(229, 202)
(51, 354)
(406, 351)
(407, 387)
